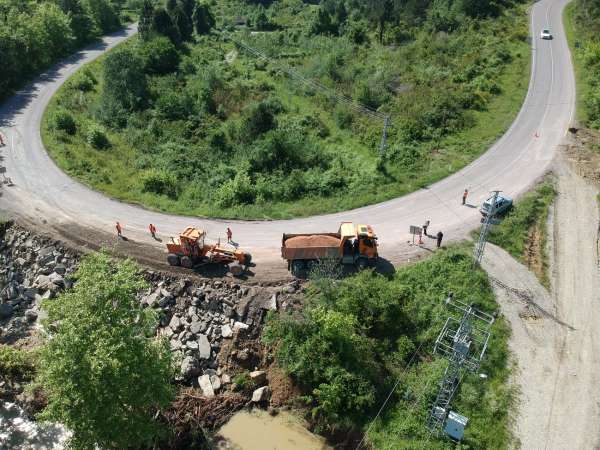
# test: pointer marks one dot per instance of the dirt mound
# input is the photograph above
(312, 241)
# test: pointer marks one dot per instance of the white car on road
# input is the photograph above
(545, 34)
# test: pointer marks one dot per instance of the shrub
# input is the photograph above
(15, 363)
(160, 182)
(343, 118)
(103, 371)
(159, 55)
(64, 121)
(96, 137)
(84, 81)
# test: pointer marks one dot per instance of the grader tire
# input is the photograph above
(187, 262)
(247, 259)
(173, 260)
(236, 269)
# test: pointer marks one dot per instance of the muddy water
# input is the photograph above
(257, 430)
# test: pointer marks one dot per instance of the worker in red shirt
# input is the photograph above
(229, 235)
(119, 230)
(152, 230)
(465, 194)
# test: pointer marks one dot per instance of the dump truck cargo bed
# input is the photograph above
(311, 246)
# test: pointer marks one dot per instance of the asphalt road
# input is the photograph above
(44, 194)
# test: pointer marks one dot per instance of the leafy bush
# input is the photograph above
(366, 328)
(64, 121)
(159, 55)
(96, 137)
(103, 358)
(160, 182)
(15, 363)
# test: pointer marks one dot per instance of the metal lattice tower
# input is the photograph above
(485, 229)
(463, 342)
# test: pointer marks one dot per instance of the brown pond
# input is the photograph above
(257, 430)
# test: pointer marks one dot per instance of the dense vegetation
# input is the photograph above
(35, 34)
(103, 372)
(584, 28)
(365, 331)
(186, 119)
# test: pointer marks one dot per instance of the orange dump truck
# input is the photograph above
(351, 245)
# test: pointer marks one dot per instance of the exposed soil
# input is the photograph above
(312, 241)
(534, 256)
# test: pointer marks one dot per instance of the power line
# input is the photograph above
(410, 363)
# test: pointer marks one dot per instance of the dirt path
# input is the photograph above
(556, 337)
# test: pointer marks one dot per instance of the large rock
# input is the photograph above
(204, 349)
(175, 323)
(206, 386)
(259, 377)
(261, 394)
(6, 311)
(189, 367)
(226, 331)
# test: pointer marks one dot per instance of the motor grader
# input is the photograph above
(191, 250)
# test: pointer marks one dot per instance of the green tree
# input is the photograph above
(146, 22)
(203, 19)
(104, 374)
(81, 23)
(163, 24)
(124, 80)
(182, 22)
(102, 14)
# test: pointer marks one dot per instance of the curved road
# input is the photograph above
(43, 194)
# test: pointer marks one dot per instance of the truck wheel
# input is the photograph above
(298, 268)
(236, 269)
(362, 263)
(247, 259)
(173, 260)
(187, 262)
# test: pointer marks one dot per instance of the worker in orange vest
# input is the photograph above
(152, 229)
(229, 235)
(119, 230)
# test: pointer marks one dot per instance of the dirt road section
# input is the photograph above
(42, 193)
(556, 337)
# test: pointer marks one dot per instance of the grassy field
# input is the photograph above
(318, 158)
(367, 330)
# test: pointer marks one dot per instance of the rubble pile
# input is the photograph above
(198, 316)
(31, 269)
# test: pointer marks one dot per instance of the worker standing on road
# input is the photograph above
(425, 226)
(152, 230)
(465, 194)
(119, 230)
(440, 236)
(229, 235)
(1, 141)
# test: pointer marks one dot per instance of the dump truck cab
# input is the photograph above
(358, 244)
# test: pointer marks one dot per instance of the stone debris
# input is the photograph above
(198, 317)
(261, 394)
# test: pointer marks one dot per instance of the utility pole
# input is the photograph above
(386, 124)
(464, 343)
(485, 229)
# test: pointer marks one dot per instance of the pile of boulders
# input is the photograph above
(198, 316)
(31, 269)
